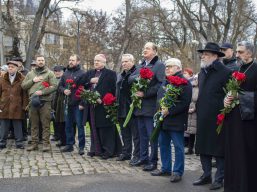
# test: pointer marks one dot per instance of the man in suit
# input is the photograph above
(73, 112)
(148, 108)
(105, 140)
(212, 78)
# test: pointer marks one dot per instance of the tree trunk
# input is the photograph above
(35, 28)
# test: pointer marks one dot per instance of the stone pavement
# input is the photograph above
(16, 163)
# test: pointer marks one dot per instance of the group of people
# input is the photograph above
(194, 113)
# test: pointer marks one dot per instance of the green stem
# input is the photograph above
(129, 115)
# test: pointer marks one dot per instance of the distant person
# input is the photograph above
(229, 59)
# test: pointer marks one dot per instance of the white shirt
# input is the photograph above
(12, 77)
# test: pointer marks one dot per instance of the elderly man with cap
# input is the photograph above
(105, 140)
(229, 60)
(212, 78)
(73, 113)
(13, 103)
(174, 124)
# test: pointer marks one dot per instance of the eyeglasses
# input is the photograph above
(240, 52)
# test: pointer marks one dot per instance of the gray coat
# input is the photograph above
(191, 126)
(148, 107)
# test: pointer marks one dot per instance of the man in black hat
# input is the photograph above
(229, 59)
(12, 105)
(212, 78)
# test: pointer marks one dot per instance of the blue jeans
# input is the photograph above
(177, 138)
(145, 128)
(74, 115)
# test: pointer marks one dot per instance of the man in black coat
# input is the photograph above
(174, 124)
(148, 107)
(123, 93)
(105, 140)
(240, 127)
(73, 113)
(212, 78)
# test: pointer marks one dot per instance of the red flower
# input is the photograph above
(108, 99)
(69, 81)
(175, 80)
(220, 118)
(239, 76)
(78, 93)
(81, 87)
(146, 73)
(45, 84)
(74, 86)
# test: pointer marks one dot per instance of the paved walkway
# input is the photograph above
(16, 163)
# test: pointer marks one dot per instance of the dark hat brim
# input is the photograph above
(220, 54)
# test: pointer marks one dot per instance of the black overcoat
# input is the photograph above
(241, 139)
(208, 106)
(106, 84)
(177, 118)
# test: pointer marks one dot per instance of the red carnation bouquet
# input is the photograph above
(69, 84)
(88, 96)
(111, 107)
(232, 89)
(141, 84)
(172, 92)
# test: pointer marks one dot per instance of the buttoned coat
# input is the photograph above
(209, 103)
(13, 98)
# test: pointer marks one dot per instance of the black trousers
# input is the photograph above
(130, 138)
(191, 142)
(60, 131)
(109, 140)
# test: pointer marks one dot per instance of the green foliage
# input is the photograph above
(90, 96)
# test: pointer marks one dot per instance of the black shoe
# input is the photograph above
(158, 172)
(175, 178)
(106, 156)
(81, 151)
(20, 146)
(91, 154)
(123, 157)
(133, 160)
(139, 163)
(149, 167)
(203, 181)
(67, 148)
(216, 185)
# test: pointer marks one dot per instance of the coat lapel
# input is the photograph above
(101, 78)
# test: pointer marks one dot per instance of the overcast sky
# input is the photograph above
(106, 5)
